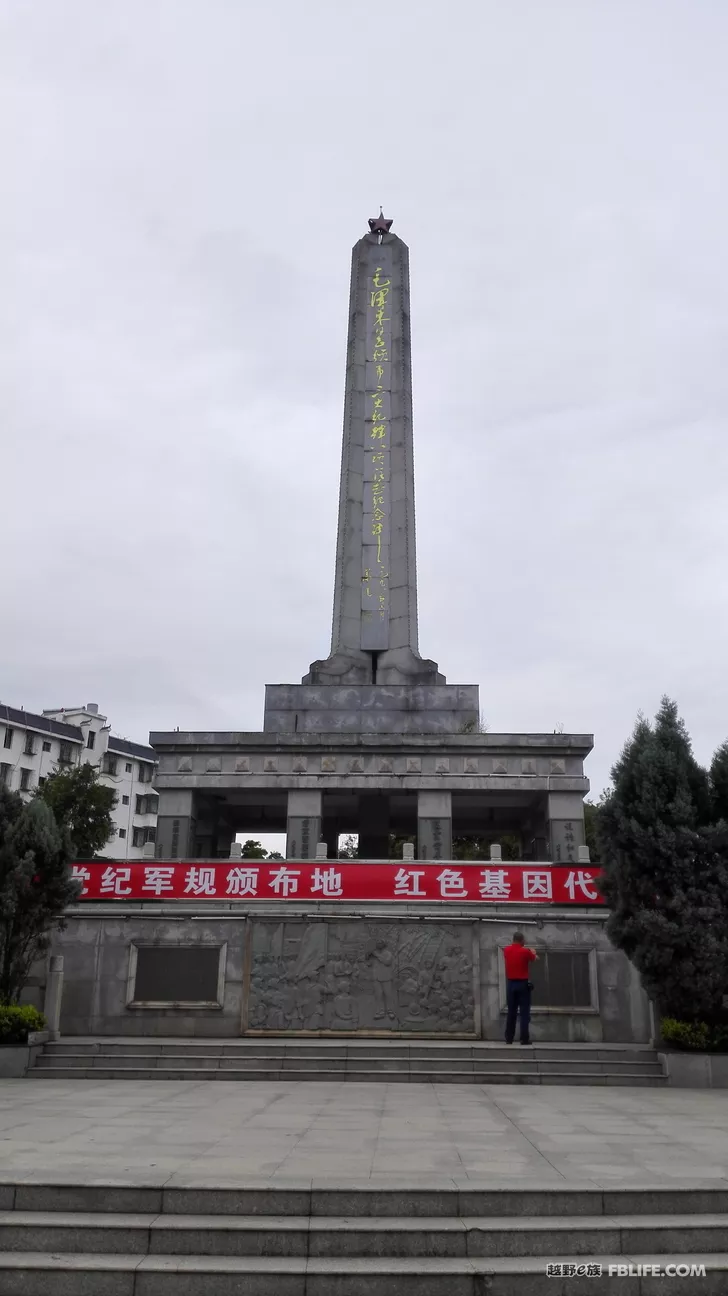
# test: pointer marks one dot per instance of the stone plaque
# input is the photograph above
(345, 976)
(176, 974)
(567, 835)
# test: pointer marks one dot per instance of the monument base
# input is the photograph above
(372, 708)
(211, 970)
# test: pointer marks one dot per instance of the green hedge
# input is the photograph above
(16, 1022)
(697, 1036)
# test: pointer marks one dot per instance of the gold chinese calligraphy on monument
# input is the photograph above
(377, 448)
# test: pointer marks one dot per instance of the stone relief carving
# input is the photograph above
(361, 976)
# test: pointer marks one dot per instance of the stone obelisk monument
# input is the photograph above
(374, 642)
(374, 638)
(373, 740)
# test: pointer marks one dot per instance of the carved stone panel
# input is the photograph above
(361, 976)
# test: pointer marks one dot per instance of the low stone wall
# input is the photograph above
(696, 1070)
(335, 969)
(16, 1060)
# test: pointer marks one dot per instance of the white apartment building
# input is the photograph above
(33, 746)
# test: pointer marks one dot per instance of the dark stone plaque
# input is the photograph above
(561, 980)
(365, 975)
(177, 974)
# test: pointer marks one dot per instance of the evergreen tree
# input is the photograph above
(719, 784)
(665, 874)
(35, 886)
(81, 804)
(253, 850)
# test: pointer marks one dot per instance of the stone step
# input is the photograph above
(81, 1274)
(350, 1049)
(268, 1071)
(523, 1060)
(376, 1198)
(340, 1237)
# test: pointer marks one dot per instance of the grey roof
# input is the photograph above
(27, 720)
(132, 749)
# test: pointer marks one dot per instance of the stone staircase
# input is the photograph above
(321, 1239)
(327, 1059)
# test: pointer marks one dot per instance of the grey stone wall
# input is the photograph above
(431, 972)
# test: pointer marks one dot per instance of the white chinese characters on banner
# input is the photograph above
(242, 881)
(447, 881)
(494, 884)
(451, 883)
(82, 875)
(116, 881)
(158, 880)
(285, 881)
(584, 882)
(408, 882)
(328, 882)
(536, 885)
(200, 881)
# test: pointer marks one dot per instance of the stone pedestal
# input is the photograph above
(371, 708)
(303, 828)
(434, 825)
(176, 824)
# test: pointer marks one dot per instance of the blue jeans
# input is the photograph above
(518, 999)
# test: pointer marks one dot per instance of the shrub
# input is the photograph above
(697, 1036)
(17, 1021)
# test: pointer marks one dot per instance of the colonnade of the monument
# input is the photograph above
(188, 828)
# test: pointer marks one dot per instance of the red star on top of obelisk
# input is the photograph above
(378, 224)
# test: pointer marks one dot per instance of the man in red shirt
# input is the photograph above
(517, 958)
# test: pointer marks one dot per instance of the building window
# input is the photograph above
(46, 746)
(41, 780)
(91, 740)
(145, 772)
(110, 765)
(29, 749)
(5, 775)
(122, 832)
(125, 800)
(150, 834)
(65, 756)
(25, 779)
(139, 805)
(138, 837)
(8, 738)
(127, 767)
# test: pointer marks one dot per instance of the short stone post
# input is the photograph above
(496, 853)
(53, 995)
(322, 850)
(408, 852)
(583, 856)
(148, 850)
(236, 850)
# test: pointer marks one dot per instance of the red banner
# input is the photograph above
(337, 880)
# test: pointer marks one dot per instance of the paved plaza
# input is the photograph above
(213, 1132)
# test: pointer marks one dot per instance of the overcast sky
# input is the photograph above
(182, 184)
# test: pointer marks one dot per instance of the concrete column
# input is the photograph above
(434, 825)
(565, 812)
(176, 824)
(374, 826)
(303, 828)
(53, 996)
